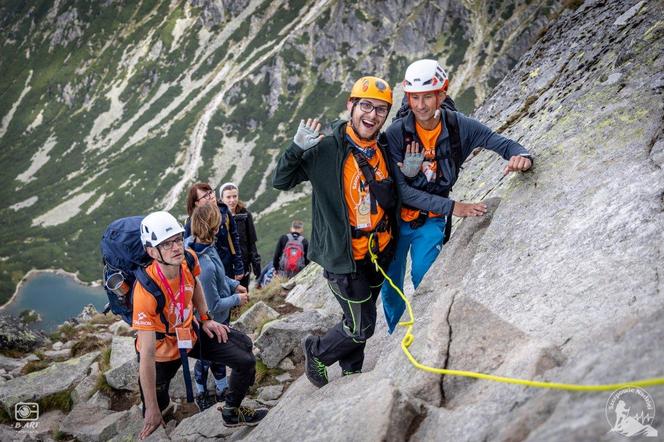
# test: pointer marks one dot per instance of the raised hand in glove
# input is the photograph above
(412, 160)
(308, 134)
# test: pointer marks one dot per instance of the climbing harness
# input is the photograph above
(409, 338)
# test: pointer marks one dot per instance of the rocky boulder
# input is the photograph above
(91, 423)
(279, 338)
(308, 293)
(87, 386)
(255, 316)
(88, 312)
(15, 335)
(11, 364)
(123, 371)
(59, 377)
(133, 426)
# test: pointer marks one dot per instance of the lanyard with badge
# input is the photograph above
(183, 334)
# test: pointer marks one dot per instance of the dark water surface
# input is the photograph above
(56, 298)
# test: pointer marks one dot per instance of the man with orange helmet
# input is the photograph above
(429, 144)
(352, 211)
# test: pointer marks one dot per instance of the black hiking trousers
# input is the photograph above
(357, 294)
(236, 353)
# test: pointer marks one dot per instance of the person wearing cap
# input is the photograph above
(352, 211)
(166, 337)
(426, 167)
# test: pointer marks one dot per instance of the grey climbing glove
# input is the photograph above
(305, 137)
(412, 162)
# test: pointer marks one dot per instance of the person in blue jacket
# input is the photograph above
(427, 149)
(227, 240)
(221, 294)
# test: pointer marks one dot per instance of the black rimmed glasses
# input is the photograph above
(368, 107)
(172, 243)
(207, 195)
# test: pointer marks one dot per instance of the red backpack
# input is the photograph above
(292, 258)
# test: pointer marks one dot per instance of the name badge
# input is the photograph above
(363, 212)
(184, 337)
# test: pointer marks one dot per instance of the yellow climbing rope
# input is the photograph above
(409, 338)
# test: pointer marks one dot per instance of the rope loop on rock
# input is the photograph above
(409, 338)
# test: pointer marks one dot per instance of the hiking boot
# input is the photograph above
(238, 416)
(221, 395)
(315, 370)
(203, 401)
(350, 372)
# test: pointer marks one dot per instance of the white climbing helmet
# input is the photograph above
(158, 227)
(424, 76)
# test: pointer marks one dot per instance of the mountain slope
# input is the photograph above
(114, 108)
(559, 282)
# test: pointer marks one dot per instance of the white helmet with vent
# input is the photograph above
(424, 76)
(157, 227)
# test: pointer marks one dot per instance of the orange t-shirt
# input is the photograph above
(429, 165)
(358, 199)
(145, 315)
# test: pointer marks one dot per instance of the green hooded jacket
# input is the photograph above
(322, 165)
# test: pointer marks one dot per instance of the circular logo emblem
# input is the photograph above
(380, 85)
(630, 411)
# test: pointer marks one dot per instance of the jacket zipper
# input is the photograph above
(349, 248)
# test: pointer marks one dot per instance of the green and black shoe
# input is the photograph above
(238, 416)
(315, 370)
(350, 372)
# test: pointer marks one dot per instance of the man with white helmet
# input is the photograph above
(167, 332)
(428, 145)
(352, 206)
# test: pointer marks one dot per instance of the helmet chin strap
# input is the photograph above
(161, 259)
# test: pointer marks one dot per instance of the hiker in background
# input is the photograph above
(228, 242)
(221, 294)
(166, 337)
(428, 145)
(251, 260)
(353, 204)
(290, 255)
(266, 276)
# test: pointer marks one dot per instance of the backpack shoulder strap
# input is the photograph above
(455, 138)
(191, 261)
(366, 169)
(151, 286)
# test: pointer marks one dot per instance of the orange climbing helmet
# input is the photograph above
(372, 87)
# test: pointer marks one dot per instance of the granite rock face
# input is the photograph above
(123, 371)
(57, 378)
(15, 335)
(281, 337)
(560, 281)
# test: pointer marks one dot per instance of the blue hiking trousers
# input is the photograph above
(424, 243)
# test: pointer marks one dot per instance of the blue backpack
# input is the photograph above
(125, 260)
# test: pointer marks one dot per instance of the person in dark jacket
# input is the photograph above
(425, 171)
(351, 213)
(246, 230)
(296, 232)
(228, 241)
